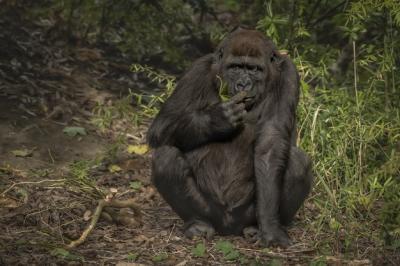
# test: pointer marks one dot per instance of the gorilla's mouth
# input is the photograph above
(250, 95)
(249, 101)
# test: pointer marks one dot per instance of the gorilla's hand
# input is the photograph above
(234, 109)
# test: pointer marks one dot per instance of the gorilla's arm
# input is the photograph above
(272, 151)
(194, 115)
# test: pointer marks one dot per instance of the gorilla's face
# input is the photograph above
(246, 64)
(243, 73)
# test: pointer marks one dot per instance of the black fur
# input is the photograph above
(231, 165)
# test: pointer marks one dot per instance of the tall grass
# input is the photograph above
(355, 145)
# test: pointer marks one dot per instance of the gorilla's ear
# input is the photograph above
(289, 77)
(277, 60)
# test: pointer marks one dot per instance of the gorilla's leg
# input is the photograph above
(174, 180)
(296, 185)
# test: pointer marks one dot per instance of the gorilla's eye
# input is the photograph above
(235, 67)
(254, 68)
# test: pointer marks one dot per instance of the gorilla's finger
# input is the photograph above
(238, 108)
(239, 97)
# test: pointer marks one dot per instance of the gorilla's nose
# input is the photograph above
(243, 84)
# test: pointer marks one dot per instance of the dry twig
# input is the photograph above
(30, 183)
(130, 203)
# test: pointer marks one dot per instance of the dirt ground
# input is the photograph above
(40, 213)
(50, 182)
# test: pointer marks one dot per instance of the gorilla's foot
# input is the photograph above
(199, 228)
(276, 237)
(252, 234)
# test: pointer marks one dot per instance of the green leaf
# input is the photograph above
(65, 254)
(305, 86)
(60, 252)
(132, 256)
(74, 131)
(334, 224)
(227, 249)
(22, 153)
(224, 246)
(233, 255)
(135, 185)
(160, 257)
(138, 149)
(199, 250)
(223, 90)
(114, 168)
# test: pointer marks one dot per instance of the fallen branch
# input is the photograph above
(130, 203)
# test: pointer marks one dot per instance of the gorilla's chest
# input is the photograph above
(225, 170)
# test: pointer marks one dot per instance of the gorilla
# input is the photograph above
(232, 166)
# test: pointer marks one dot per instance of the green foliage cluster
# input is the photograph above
(149, 104)
(329, 35)
(354, 144)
